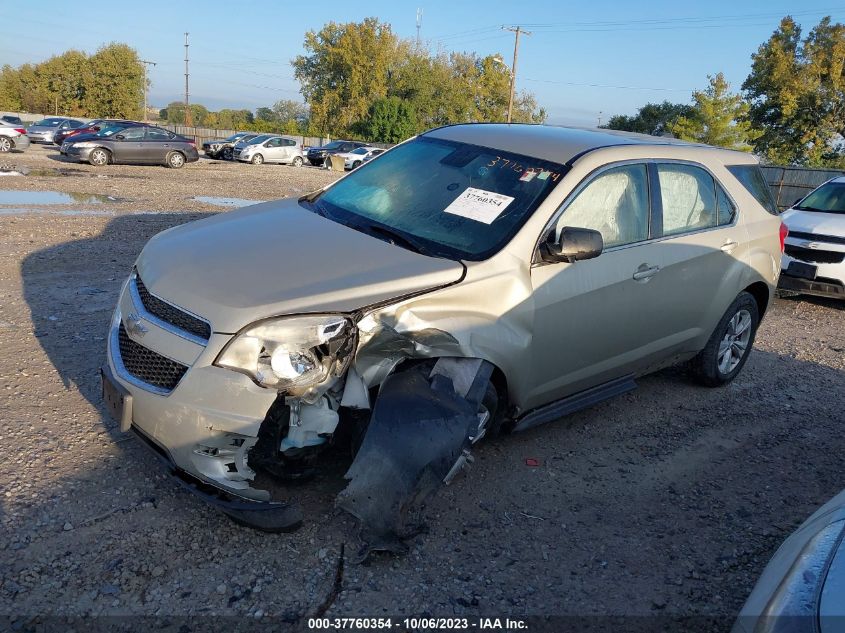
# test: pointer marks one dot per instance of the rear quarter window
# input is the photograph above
(753, 180)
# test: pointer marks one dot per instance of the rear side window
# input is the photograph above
(753, 180)
(689, 198)
(725, 207)
(157, 134)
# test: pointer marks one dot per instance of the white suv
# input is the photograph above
(814, 259)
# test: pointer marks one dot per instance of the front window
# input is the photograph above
(441, 198)
(829, 198)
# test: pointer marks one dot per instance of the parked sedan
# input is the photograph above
(359, 156)
(222, 148)
(92, 127)
(272, 149)
(317, 155)
(12, 137)
(44, 131)
(814, 260)
(803, 586)
(136, 145)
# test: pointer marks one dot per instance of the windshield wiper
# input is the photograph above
(395, 238)
(811, 209)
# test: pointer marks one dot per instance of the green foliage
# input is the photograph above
(350, 67)
(390, 120)
(718, 118)
(652, 118)
(796, 91)
(109, 83)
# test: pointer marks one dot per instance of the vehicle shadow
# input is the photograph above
(833, 304)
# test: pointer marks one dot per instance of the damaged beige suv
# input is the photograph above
(472, 280)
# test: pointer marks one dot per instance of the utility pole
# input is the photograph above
(419, 24)
(146, 63)
(188, 117)
(600, 113)
(518, 30)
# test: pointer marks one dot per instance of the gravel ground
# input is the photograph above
(666, 501)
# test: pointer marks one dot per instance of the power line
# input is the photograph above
(589, 85)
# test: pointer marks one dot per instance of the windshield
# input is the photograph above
(829, 198)
(441, 197)
(259, 139)
(233, 138)
(50, 123)
(333, 145)
(360, 151)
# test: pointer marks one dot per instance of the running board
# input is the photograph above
(575, 402)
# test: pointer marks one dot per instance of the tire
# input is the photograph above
(5, 144)
(356, 164)
(175, 160)
(228, 153)
(730, 344)
(99, 157)
(258, 159)
(297, 161)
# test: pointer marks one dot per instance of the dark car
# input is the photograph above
(140, 144)
(14, 120)
(92, 127)
(317, 155)
(222, 148)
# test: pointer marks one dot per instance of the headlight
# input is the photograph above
(291, 354)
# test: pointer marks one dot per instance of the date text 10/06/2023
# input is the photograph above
(418, 624)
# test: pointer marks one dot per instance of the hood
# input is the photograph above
(83, 136)
(278, 258)
(815, 222)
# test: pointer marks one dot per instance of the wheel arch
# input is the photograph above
(762, 296)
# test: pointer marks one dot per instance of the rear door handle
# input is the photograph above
(646, 273)
(728, 246)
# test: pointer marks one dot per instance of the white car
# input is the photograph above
(12, 137)
(270, 148)
(356, 157)
(814, 258)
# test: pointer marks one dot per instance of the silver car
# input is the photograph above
(12, 137)
(803, 586)
(270, 148)
(814, 261)
(43, 131)
(473, 280)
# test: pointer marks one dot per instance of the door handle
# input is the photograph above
(728, 246)
(646, 273)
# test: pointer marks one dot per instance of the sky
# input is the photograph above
(584, 61)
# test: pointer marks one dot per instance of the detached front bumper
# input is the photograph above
(208, 421)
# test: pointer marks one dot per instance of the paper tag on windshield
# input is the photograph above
(479, 205)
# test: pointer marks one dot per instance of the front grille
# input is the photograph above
(148, 366)
(171, 314)
(814, 256)
(812, 237)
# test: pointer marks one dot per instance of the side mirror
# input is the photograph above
(574, 245)
(119, 137)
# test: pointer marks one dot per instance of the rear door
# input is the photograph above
(703, 252)
(158, 143)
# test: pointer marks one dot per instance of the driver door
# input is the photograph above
(594, 318)
(129, 145)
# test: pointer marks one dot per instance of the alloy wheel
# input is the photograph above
(734, 344)
(5, 144)
(99, 157)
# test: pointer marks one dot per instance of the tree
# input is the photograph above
(718, 118)
(389, 120)
(652, 118)
(345, 69)
(174, 114)
(114, 83)
(290, 110)
(796, 92)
